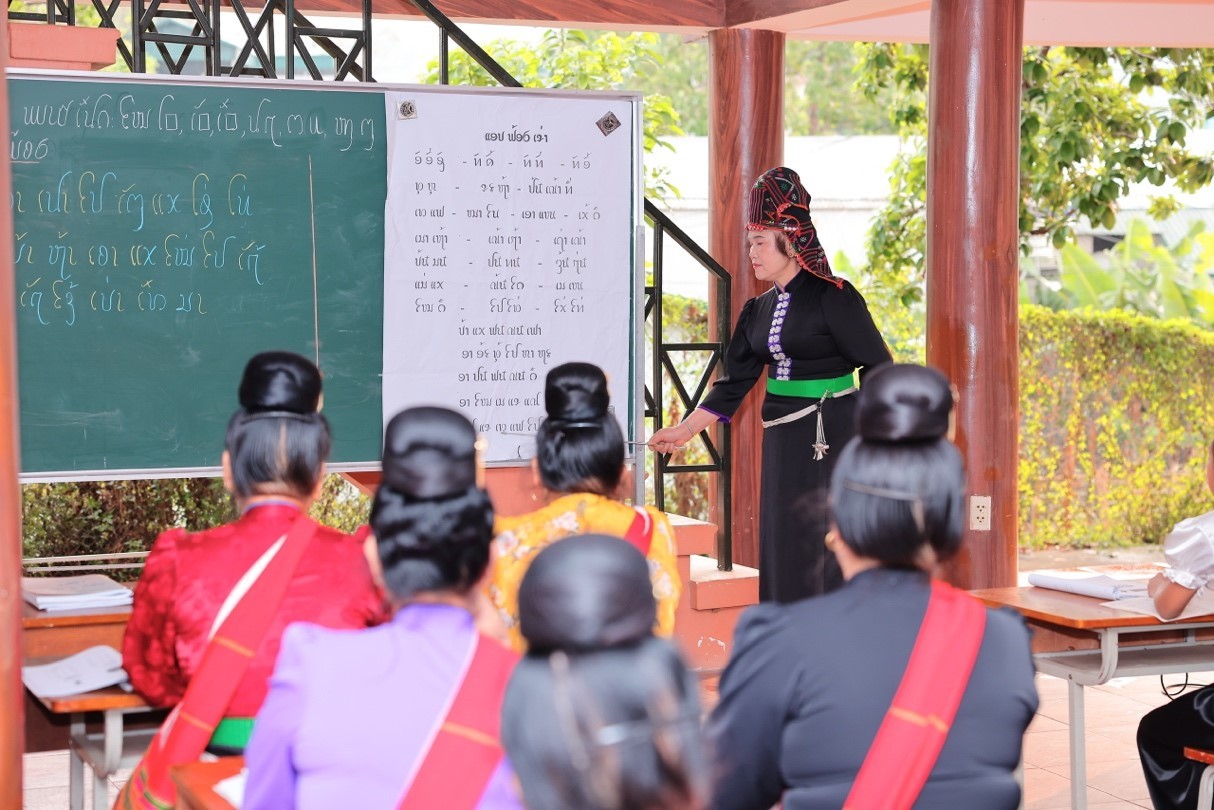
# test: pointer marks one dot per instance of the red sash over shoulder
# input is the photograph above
(465, 748)
(640, 531)
(915, 726)
(185, 734)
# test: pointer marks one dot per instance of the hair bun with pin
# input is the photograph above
(280, 381)
(576, 392)
(429, 453)
(432, 523)
(901, 402)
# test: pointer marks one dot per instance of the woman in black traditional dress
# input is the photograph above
(807, 336)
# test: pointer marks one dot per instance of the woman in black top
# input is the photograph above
(806, 337)
(808, 685)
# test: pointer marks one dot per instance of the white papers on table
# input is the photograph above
(1202, 604)
(94, 668)
(232, 788)
(73, 593)
(1098, 581)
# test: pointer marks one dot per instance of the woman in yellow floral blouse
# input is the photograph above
(579, 463)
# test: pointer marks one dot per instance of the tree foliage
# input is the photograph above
(1094, 121)
(582, 60)
(1137, 275)
(683, 79)
(818, 95)
(818, 92)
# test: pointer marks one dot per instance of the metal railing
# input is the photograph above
(77, 563)
(152, 33)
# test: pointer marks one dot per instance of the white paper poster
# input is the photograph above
(509, 250)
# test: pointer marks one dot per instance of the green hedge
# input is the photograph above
(109, 517)
(1116, 413)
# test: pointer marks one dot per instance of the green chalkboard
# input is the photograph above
(168, 230)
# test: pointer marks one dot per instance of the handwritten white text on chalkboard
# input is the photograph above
(269, 120)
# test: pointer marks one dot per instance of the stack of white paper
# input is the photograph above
(72, 593)
(1099, 581)
(94, 668)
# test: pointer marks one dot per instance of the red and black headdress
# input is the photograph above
(779, 202)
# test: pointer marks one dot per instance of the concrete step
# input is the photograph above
(712, 589)
(712, 600)
(693, 536)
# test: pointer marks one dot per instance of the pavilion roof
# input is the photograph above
(1159, 23)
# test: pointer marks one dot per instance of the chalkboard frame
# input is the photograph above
(633, 422)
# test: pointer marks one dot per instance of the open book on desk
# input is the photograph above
(1110, 582)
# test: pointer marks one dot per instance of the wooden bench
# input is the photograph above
(1205, 791)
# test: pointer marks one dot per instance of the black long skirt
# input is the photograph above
(1163, 733)
(794, 513)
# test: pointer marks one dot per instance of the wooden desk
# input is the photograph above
(196, 781)
(106, 752)
(1085, 644)
(58, 633)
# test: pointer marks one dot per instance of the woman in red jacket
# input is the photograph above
(233, 590)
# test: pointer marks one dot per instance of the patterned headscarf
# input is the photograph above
(779, 202)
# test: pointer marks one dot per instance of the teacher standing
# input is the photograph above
(806, 336)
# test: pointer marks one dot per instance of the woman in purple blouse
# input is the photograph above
(406, 714)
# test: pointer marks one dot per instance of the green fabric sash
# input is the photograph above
(810, 389)
(233, 732)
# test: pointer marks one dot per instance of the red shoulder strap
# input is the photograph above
(186, 732)
(467, 748)
(915, 726)
(640, 531)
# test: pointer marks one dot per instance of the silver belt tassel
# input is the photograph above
(820, 446)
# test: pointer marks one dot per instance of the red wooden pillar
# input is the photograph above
(973, 187)
(12, 721)
(745, 139)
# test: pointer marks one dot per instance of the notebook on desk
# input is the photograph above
(76, 592)
(1109, 582)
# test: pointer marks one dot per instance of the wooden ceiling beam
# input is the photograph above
(686, 16)
(791, 15)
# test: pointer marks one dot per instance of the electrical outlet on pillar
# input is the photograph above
(980, 513)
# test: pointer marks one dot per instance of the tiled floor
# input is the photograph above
(1114, 776)
(46, 782)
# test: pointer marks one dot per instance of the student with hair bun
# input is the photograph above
(405, 715)
(599, 714)
(579, 468)
(894, 690)
(204, 596)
